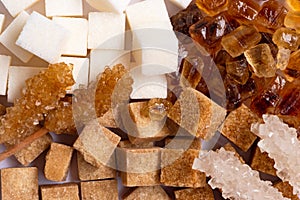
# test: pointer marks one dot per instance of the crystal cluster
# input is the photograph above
(281, 143)
(236, 180)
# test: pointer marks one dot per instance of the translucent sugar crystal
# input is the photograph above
(261, 60)
(283, 57)
(41, 95)
(293, 5)
(291, 20)
(244, 10)
(294, 62)
(156, 108)
(286, 38)
(212, 7)
(236, 180)
(238, 70)
(281, 143)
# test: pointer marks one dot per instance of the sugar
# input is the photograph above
(4, 65)
(14, 7)
(109, 5)
(181, 3)
(2, 19)
(63, 8)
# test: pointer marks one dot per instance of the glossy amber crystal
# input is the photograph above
(292, 20)
(286, 38)
(238, 70)
(191, 71)
(156, 108)
(294, 5)
(244, 10)
(294, 61)
(283, 57)
(212, 7)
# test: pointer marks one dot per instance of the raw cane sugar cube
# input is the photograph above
(87, 172)
(159, 135)
(203, 193)
(17, 75)
(14, 7)
(95, 190)
(106, 30)
(43, 37)
(176, 168)
(101, 58)
(78, 33)
(61, 192)
(97, 144)
(197, 114)
(139, 167)
(10, 35)
(4, 66)
(2, 19)
(183, 143)
(19, 183)
(128, 144)
(236, 127)
(57, 162)
(80, 70)
(263, 163)
(183, 4)
(286, 189)
(149, 193)
(108, 119)
(67, 8)
(109, 5)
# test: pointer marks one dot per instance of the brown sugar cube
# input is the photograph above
(57, 162)
(176, 168)
(286, 189)
(139, 167)
(149, 193)
(96, 190)
(31, 152)
(197, 114)
(128, 144)
(236, 127)
(183, 143)
(229, 147)
(203, 193)
(97, 144)
(61, 192)
(87, 172)
(19, 183)
(263, 163)
(108, 120)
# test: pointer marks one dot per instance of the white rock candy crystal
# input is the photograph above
(237, 181)
(281, 143)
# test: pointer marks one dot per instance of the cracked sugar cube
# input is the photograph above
(183, 4)
(66, 8)
(14, 7)
(10, 35)
(77, 40)
(43, 37)
(100, 58)
(17, 75)
(147, 87)
(106, 30)
(2, 19)
(109, 5)
(4, 65)
(80, 70)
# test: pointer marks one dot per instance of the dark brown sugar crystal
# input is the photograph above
(212, 7)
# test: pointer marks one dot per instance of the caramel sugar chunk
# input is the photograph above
(97, 144)
(149, 193)
(139, 167)
(57, 162)
(108, 120)
(212, 7)
(31, 152)
(183, 143)
(203, 193)
(176, 168)
(197, 114)
(96, 190)
(229, 147)
(128, 144)
(286, 189)
(236, 127)
(87, 172)
(19, 183)
(61, 192)
(263, 163)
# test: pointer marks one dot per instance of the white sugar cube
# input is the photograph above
(106, 30)
(109, 5)
(2, 19)
(77, 38)
(17, 75)
(14, 7)
(181, 3)
(100, 58)
(9, 37)
(80, 70)
(147, 87)
(43, 37)
(4, 65)
(66, 8)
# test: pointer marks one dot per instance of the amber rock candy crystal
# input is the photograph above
(212, 7)
(286, 38)
(292, 20)
(42, 94)
(244, 10)
(294, 5)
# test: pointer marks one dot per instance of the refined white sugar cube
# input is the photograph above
(14, 7)
(109, 5)
(66, 8)
(100, 58)
(106, 30)
(78, 33)
(181, 3)
(43, 37)
(17, 75)
(147, 87)
(9, 37)
(4, 65)
(2, 19)
(80, 70)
